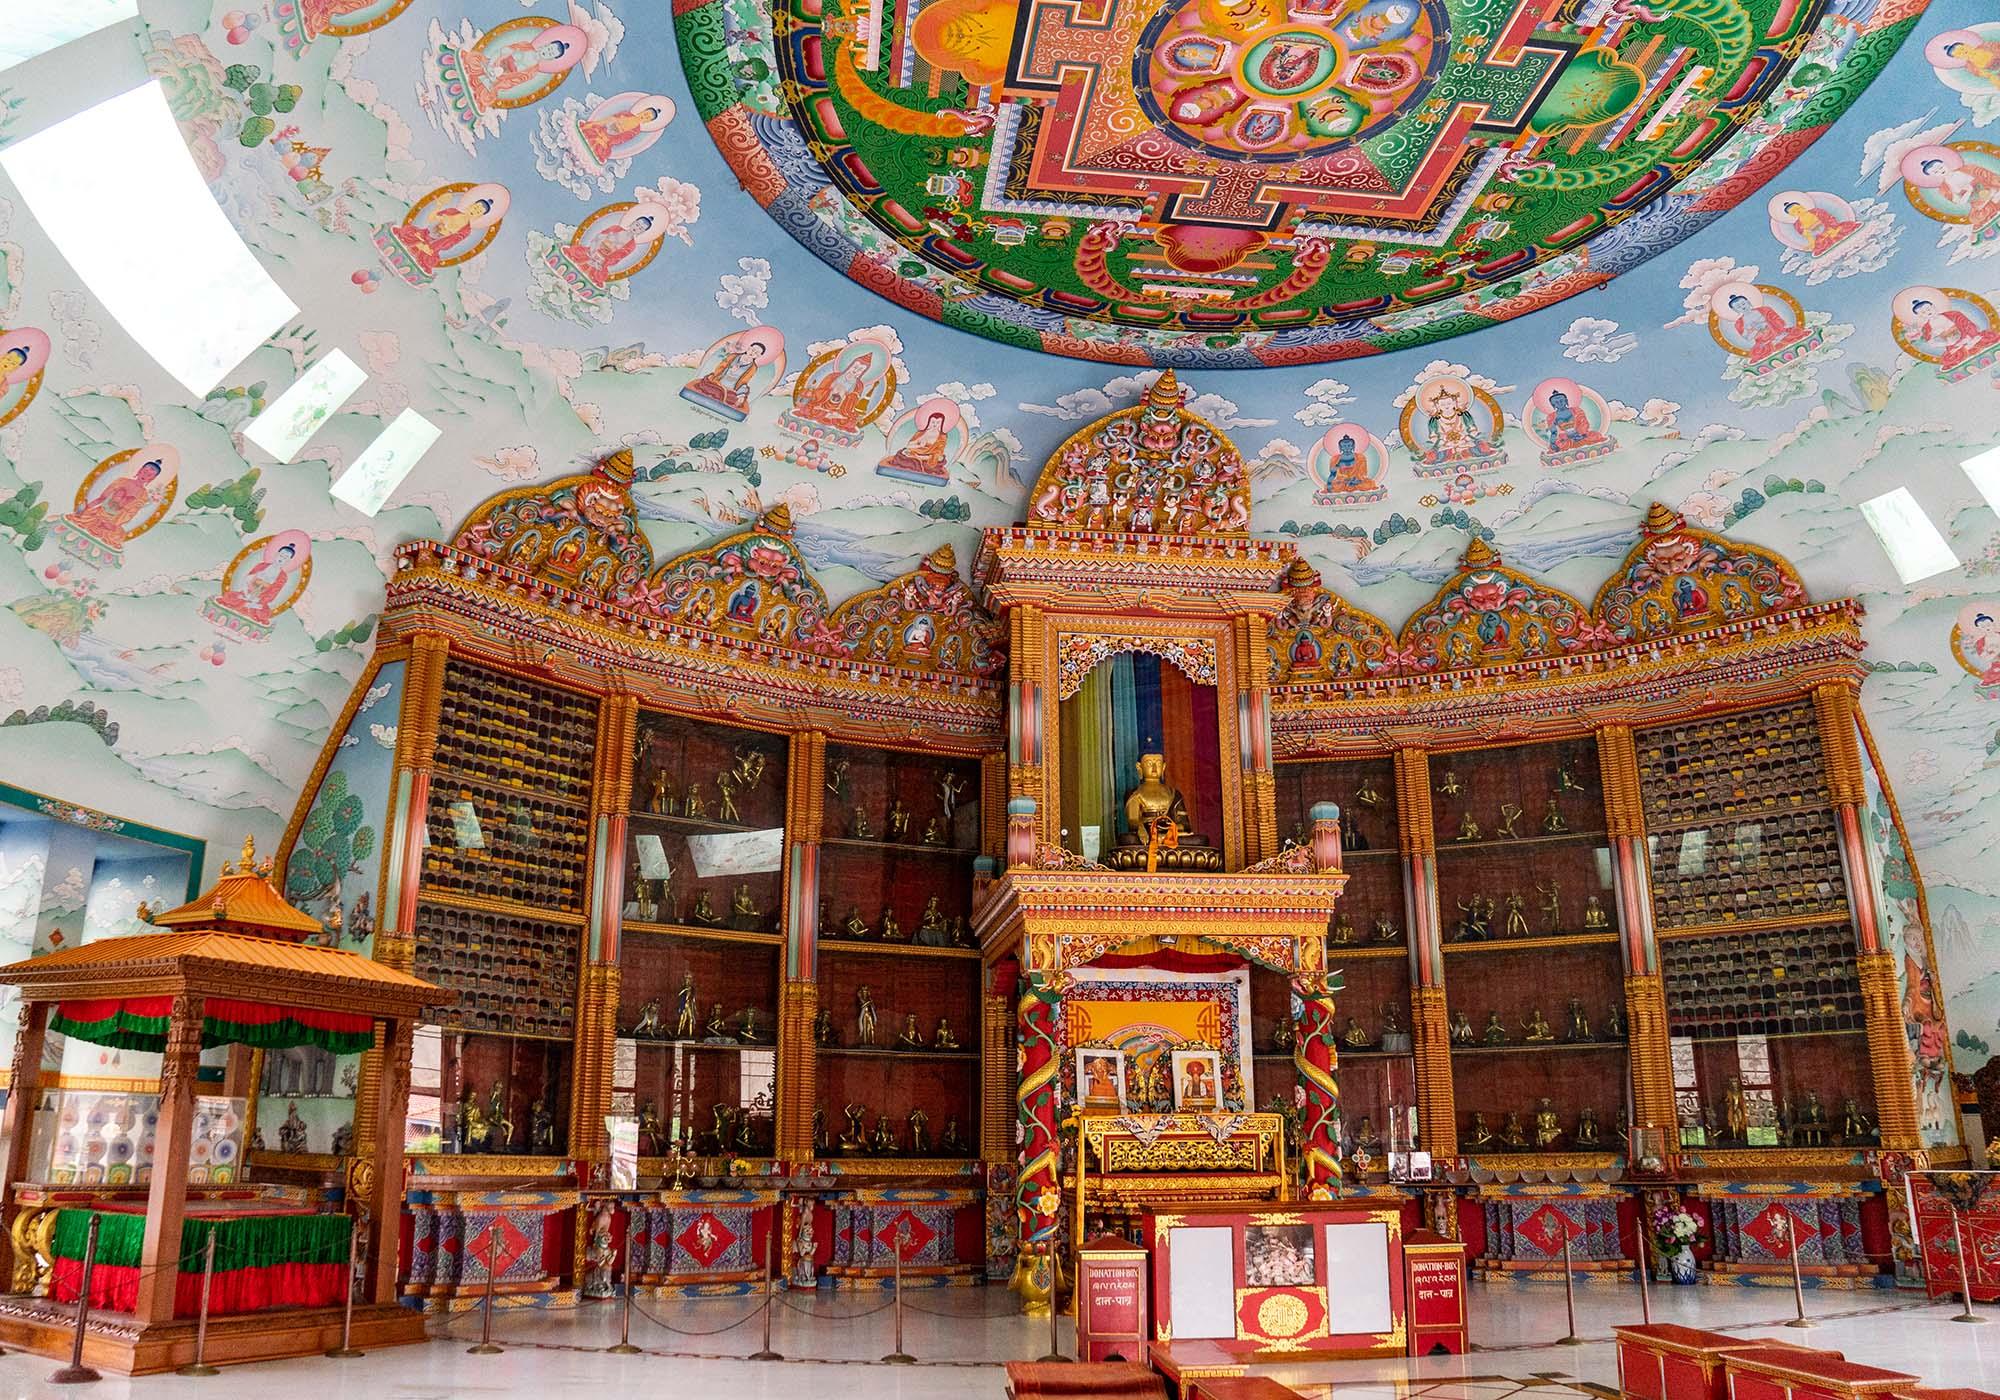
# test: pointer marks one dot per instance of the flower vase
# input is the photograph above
(1680, 1265)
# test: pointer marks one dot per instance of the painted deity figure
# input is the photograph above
(1933, 320)
(24, 354)
(1954, 185)
(114, 506)
(616, 247)
(838, 399)
(730, 382)
(610, 132)
(1565, 426)
(1350, 468)
(1761, 328)
(255, 590)
(927, 453)
(444, 229)
(1452, 434)
(510, 67)
(1811, 222)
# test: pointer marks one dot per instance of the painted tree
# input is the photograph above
(332, 844)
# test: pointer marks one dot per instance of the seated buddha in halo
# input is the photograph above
(1157, 816)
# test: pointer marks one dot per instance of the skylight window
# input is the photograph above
(295, 415)
(32, 30)
(1985, 473)
(1912, 542)
(383, 464)
(119, 195)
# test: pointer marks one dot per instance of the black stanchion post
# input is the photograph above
(1645, 1272)
(1055, 1309)
(899, 1357)
(199, 1366)
(486, 1346)
(1569, 1293)
(346, 1348)
(764, 1353)
(625, 1347)
(1798, 1283)
(76, 1373)
(1964, 1279)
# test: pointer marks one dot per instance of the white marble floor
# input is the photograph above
(962, 1335)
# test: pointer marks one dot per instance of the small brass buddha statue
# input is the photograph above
(1496, 1029)
(950, 1143)
(717, 1026)
(703, 912)
(1594, 916)
(911, 1038)
(1365, 1137)
(854, 926)
(1552, 819)
(1386, 930)
(933, 930)
(920, 1132)
(1588, 1134)
(1537, 1030)
(742, 906)
(1461, 1029)
(1510, 813)
(892, 932)
(857, 828)
(1284, 1036)
(823, 1026)
(944, 1039)
(883, 1142)
(649, 1019)
(899, 821)
(747, 1029)
(1343, 931)
(1468, 828)
(1480, 1137)
(1548, 1130)
(1160, 834)
(1512, 1133)
(1579, 1023)
(1354, 1036)
(856, 1136)
(1614, 1021)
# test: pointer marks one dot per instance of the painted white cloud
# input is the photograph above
(1126, 389)
(745, 292)
(1592, 340)
(1327, 398)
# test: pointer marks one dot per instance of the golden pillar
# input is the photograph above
(1416, 835)
(596, 1030)
(1645, 990)
(1027, 694)
(798, 993)
(1881, 1000)
(1260, 783)
(402, 862)
(998, 1073)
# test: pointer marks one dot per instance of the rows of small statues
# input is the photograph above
(1354, 1036)
(1536, 1030)
(746, 1027)
(933, 929)
(885, 1139)
(1509, 824)
(745, 914)
(491, 1128)
(742, 776)
(868, 1027)
(1482, 917)
(1805, 1124)
(735, 1130)
(1545, 1133)
(899, 823)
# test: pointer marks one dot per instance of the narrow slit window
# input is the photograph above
(1915, 548)
(287, 425)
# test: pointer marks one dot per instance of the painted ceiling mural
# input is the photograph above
(1262, 182)
(525, 223)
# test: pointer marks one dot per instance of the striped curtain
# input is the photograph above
(1134, 704)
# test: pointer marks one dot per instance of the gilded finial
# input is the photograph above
(249, 861)
(1166, 391)
(1660, 520)
(778, 519)
(1301, 575)
(1481, 555)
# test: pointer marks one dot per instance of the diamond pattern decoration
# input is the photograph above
(705, 1239)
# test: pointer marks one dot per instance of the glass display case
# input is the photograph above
(1367, 943)
(1534, 978)
(90, 1137)
(897, 1041)
(1757, 946)
(706, 833)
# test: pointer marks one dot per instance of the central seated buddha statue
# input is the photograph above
(1161, 834)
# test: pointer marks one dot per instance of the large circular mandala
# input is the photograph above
(1241, 182)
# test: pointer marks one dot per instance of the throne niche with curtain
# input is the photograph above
(1145, 877)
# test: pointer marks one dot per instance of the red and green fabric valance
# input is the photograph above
(140, 1023)
(261, 1261)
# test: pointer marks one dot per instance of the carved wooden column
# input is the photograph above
(1645, 992)
(23, 1092)
(1888, 1042)
(1260, 783)
(384, 1183)
(596, 1031)
(993, 794)
(1437, 1116)
(999, 1071)
(1027, 686)
(798, 993)
(402, 861)
(166, 1198)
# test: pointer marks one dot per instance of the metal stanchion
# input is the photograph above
(625, 1347)
(486, 1347)
(1055, 1311)
(1645, 1274)
(899, 1357)
(764, 1353)
(199, 1366)
(1798, 1283)
(1569, 1293)
(76, 1373)
(1964, 1279)
(347, 1348)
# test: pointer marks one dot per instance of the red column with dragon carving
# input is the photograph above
(1319, 1087)
(1040, 1179)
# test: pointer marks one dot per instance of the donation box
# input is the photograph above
(1111, 1315)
